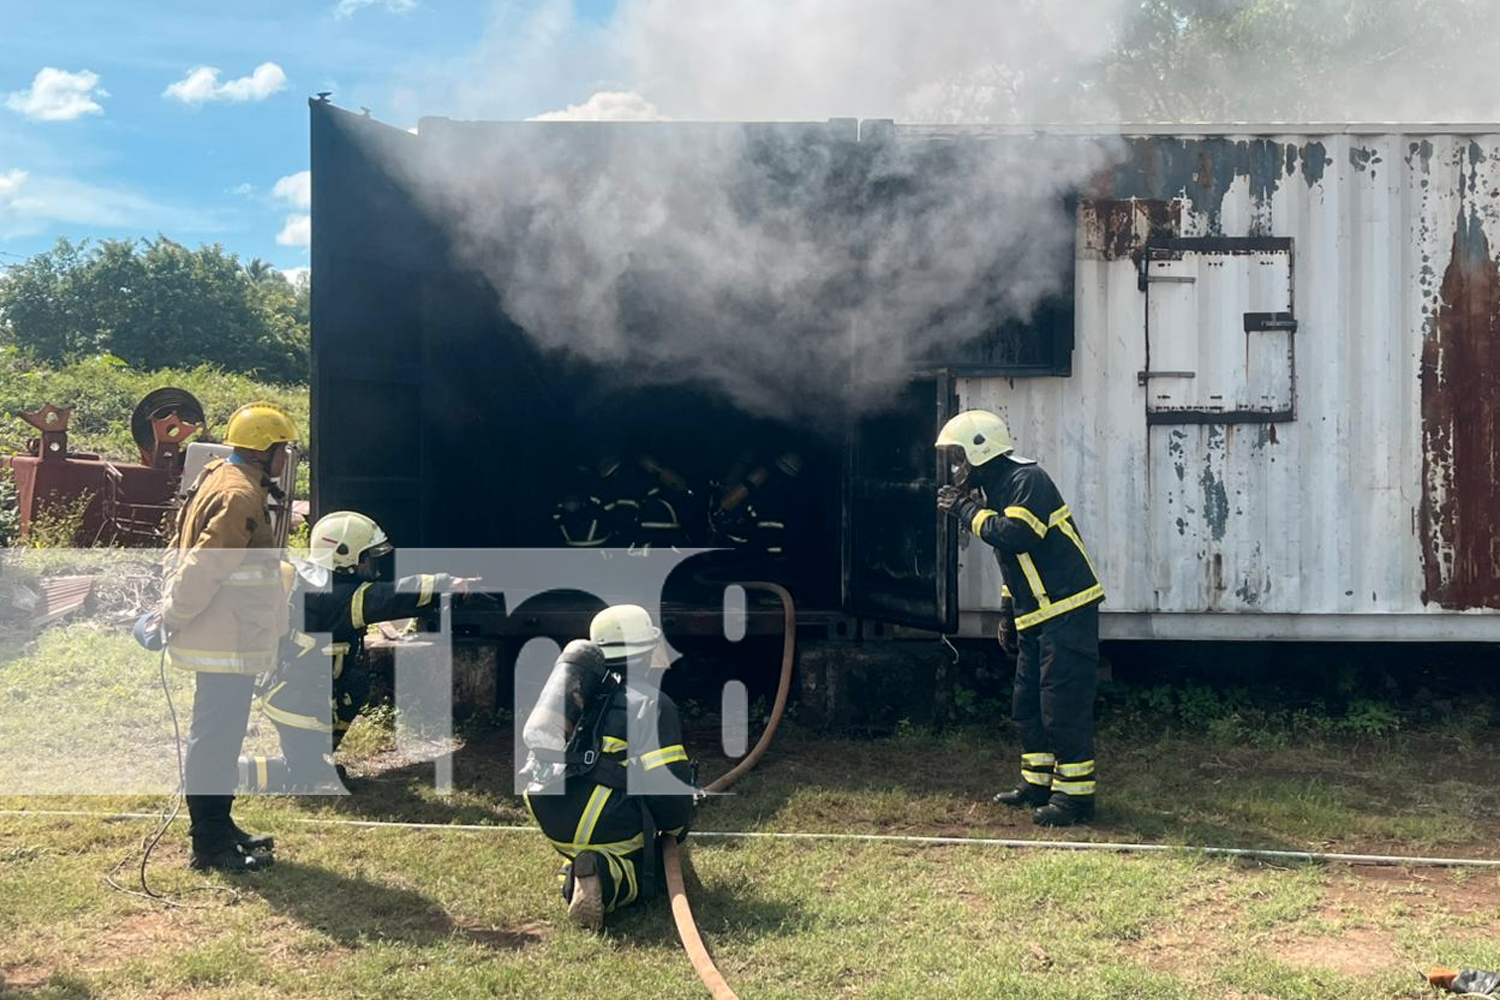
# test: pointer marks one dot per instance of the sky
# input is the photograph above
(189, 119)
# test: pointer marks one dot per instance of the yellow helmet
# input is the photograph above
(623, 630)
(259, 426)
(341, 539)
(981, 434)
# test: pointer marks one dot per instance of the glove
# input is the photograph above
(956, 503)
(1010, 638)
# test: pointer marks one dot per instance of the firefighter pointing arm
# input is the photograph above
(1053, 594)
(322, 685)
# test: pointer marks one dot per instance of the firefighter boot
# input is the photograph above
(586, 905)
(1036, 782)
(1025, 794)
(251, 843)
(1065, 810)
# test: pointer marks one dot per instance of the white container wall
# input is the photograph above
(1288, 429)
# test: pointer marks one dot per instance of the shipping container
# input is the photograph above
(1271, 397)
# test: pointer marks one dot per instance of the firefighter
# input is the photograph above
(340, 590)
(581, 515)
(645, 501)
(600, 716)
(1049, 611)
(223, 613)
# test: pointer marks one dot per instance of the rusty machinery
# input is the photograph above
(122, 503)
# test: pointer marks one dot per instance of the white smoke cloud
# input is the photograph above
(773, 264)
(56, 95)
(606, 106)
(202, 85)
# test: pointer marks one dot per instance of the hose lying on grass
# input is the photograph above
(682, 913)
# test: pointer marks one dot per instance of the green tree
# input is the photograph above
(158, 304)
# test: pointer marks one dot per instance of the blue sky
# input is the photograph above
(113, 123)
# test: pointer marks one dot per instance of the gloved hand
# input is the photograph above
(957, 503)
(1010, 638)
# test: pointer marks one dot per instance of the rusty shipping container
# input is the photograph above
(1271, 397)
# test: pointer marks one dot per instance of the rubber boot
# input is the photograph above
(1025, 794)
(586, 905)
(1065, 810)
(251, 842)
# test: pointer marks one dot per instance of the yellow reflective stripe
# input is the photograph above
(262, 774)
(294, 720)
(591, 813)
(1037, 777)
(663, 757)
(220, 661)
(616, 848)
(1005, 590)
(635, 891)
(981, 519)
(1056, 608)
(1073, 787)
(1034, 580)
(1028, 518)
(305, 643)
(1039, 759)
(338, 665)
(613, 744)
(1067, 529)
(357, 606)
(335, 649)
(424, 592)
(1059, 515)
(1075, 770)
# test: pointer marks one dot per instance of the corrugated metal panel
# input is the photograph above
(1378, 496)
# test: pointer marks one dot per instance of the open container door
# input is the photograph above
(900, 554)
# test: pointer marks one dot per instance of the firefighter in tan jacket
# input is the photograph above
(224, 611)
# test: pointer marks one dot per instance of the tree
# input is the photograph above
(157, 304)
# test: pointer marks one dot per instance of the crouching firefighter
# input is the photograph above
(1049, 611)
(600, 719)
(320, 687)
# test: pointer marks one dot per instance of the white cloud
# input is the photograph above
(30, 205)
(244, 190)
(348, 8)
(297, 232)
(607, 106)
(56, 95)
(295, 189)
(296, 275)
(202, 84)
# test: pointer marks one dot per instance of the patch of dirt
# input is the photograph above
(1367, 888)
(1179, 949)
(1357, 952)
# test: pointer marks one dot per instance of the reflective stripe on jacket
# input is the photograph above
(1042, 558)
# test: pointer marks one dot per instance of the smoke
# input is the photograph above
(795, 269)
(800, 271)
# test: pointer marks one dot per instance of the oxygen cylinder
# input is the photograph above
(569, 689)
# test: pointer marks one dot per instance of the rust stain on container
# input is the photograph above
(1460, 380)
(1119, 229)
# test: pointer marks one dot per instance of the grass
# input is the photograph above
(397, 912)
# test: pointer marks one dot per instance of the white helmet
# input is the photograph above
(981, 434)
(623, 631)
(341, 539)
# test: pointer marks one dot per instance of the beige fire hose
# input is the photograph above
(682, 913)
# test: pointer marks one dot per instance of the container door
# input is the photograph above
(900, 553)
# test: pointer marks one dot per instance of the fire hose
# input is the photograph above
(682, 913)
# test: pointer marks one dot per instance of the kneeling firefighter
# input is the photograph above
(600, 718)
(1049, 611)
(340, 589)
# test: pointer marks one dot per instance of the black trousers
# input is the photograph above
(1056, 676)
(221, 712)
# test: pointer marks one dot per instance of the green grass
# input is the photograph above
(391, 912)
